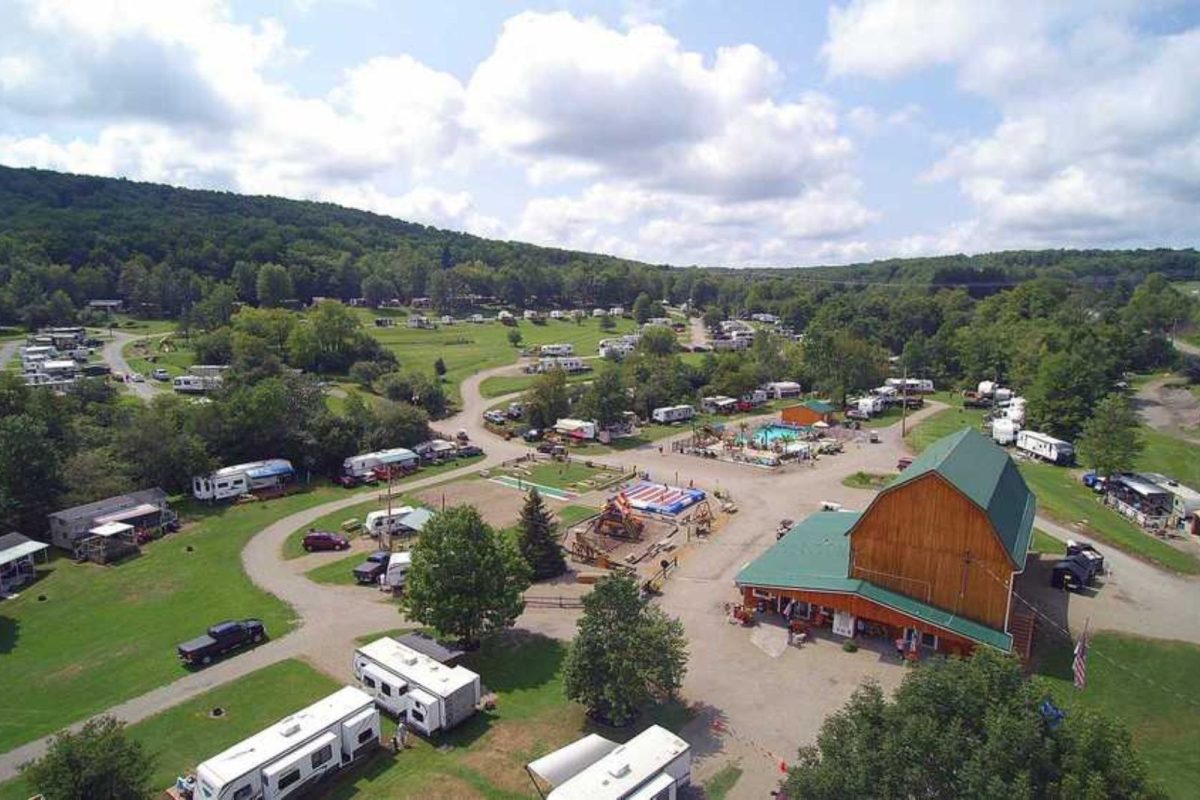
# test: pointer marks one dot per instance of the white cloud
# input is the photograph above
(1099, 119)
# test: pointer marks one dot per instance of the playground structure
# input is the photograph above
(617, 520)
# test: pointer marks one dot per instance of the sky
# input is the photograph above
(745, 133)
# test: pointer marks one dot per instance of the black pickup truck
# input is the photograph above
(370, 570)
(220, 639)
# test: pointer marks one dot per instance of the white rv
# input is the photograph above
(196, 384)
(361, 466)
(669, 414)
(558, 350)
(421, 690)
(394, 577)
(1004, 431)
(384, 522)
(1047, 448)
(242, 479)
(654, 765)
(782, 389)
(870, 406)
(294, 753)
(576, 428)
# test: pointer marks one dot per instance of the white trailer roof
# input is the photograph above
(625, 768)
(262, 748)
(567, 762)
(418, 668)
(19, 551)
(110, 529)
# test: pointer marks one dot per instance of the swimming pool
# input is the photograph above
(766, 435)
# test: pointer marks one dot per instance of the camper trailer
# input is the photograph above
(415, 687)
(654, 765)
(361, 466)
(576, 428)
(558, 350)
(1047, 448)
(669, 414)
(196, 384)
(242, 479)
(394, 577)
(386, 522)
(1004, 431)
(294, 753)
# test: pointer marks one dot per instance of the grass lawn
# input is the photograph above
(1166, 729)
(574, 475)
(499, 385)
(866, 480)
(486, 756)
(106, 634)
(720, 785)
(129, 324)
(1045, 543)
(1062, 497)
(140, 352)
(182, 737)
(1172, 457)
(467, 349)
(943, 423)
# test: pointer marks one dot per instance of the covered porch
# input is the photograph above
(19, 556)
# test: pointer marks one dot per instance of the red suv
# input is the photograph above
(324, 540)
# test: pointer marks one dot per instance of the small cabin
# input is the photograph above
(809, 413)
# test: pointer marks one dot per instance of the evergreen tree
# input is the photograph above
(536, 539)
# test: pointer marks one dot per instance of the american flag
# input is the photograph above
(1079, 666)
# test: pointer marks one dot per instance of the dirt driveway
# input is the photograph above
(1170, 408)
(499, 505)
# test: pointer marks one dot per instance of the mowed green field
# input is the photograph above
(1151, 686)
(468, 349)
(1062, 497)
(186, 735)
(140, 352)
(106, 634)
(500, 385)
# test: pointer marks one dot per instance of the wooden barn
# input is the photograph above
(932, 560)
(810, 412)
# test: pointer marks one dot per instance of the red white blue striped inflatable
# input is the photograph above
(660, 498)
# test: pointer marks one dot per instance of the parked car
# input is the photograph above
(468, 450)
(532, 435)
(137, 377)
(368, 572)
(161, 374)
(220, 639)
(324, 540)
(495, 417)
(516, 410)
(1084, 552)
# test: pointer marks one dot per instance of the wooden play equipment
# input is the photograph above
(702, 519)
(618, 520)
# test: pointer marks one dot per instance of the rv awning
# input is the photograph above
(143, 510)
(567, 762)
(110, 529)
(21, 551)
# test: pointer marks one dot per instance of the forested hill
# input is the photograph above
(67, 239)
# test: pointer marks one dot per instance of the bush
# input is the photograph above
(365, 373)
(849, 646)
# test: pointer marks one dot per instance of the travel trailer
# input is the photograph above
(196, 384)
(385, 522)
(242, 479)
(396, 574)
(1004, 431)
(576, 428)
(1047, 448)
(669, 414)
(654, 765)
(363, 465)
(294, 753)
(557, 350)
(415, 687)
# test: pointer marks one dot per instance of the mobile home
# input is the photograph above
(242, 479)
(1045, 447)
(654, 765)
(361, 466)
(668, 414)
(415, 687)
(294, 753)
(718, 404)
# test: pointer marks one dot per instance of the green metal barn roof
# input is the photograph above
(815, 555)
(988, 477)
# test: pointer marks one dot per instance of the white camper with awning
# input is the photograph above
(654, 765)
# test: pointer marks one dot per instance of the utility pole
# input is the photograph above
(904, 403)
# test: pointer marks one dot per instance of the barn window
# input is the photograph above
(929, 640)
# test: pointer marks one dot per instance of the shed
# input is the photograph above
(809, 413)
(18, 557)
(108, 542)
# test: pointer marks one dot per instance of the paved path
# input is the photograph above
(115, 359)
(698, 334)
(8, 350)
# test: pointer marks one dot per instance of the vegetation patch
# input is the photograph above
(1045, 543)
(1150, 685)
(867, 480)
(721, 784)
(106, 634)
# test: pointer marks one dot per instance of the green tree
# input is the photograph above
(1063, 393)
(30, 472)
(547, 400)
(840, 362)
(607, 323)
(98, 763)
(395, 425)
(94, 474)
(712, 318)
(605, 400)
(216, 309)
(514, 337)
(536, 541)
(273, 286)
(966, 728)
(657, 341)
(245, 281)
(643, 308)
(465, 580)
(1109, 442)
(626, 653)
(377, 289)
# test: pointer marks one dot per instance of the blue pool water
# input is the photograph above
(767, 435)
